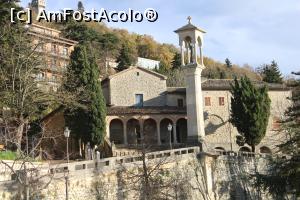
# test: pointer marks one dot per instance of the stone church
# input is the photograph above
(140, 106)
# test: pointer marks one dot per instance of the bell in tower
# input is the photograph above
(191, 43)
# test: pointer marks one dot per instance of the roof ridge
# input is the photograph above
(137, 67)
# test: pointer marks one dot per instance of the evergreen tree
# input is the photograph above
(79, 32)
(250, 111)
(271, 73)
(86, 122)
(5, 6)
(126, 57)
(176, 63)
(228, 63)
(98, 105)
(283, 177)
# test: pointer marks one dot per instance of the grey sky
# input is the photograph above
(253, 32)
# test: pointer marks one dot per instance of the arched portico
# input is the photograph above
(150, 131)
(165, 135)
(116, 130)
(133, 131)
(181, 130)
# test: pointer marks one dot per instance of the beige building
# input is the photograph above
(141, 107)
(139, 102)
(55, 51)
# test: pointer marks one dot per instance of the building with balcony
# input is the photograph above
(55, 51)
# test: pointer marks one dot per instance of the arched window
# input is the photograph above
(245, 149)
(199, 41)
(189, 49)
(265, 150)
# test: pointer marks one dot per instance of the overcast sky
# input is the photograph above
(253, 32)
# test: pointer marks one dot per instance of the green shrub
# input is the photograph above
(8, 155)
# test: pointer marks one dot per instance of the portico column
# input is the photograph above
(142, 131)
(182, 54)
(189, 60)
(201, 56)
(125, 132)
(194, 49)
(174, 133)
(158, 133)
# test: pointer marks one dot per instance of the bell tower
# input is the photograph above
(191, 43)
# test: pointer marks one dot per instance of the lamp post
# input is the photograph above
(67, 135)
(170, 131)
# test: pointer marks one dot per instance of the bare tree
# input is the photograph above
(146, 178)
(24, 101)
(30, 177)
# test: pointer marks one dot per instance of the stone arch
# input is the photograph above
(245, 149)
(220, 148)
(199, 49)
(188, 49)
(265, 150)
(164, 133)
(181, 130)
(116, 129)
(133, 131)
(199, 41)
(150, 131)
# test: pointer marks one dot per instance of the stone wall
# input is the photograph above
(137, 81)
(194, 175)
(220, 133)
(172, 99)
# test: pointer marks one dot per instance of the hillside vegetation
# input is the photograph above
(109, 42)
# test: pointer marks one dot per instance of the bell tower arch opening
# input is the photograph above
(191, 44)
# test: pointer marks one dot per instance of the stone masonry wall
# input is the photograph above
(194, 176)
(136, 81)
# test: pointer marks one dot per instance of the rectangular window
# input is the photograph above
(139, 100)
(221, 101)
(180, 103)
(207, 101)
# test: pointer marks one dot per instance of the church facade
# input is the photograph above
(140, 105)
(141, 108)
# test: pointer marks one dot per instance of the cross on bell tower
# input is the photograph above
(191, 43)
(189, 19)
